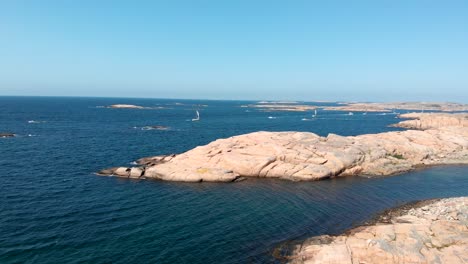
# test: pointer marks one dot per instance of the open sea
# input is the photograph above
(53, 209)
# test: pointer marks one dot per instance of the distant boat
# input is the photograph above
(350, 113)
(198, 116)
(315, 113)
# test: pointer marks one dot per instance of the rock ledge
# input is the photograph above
(433, 231)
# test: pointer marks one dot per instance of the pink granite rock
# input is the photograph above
(427, 234)
(307, 156)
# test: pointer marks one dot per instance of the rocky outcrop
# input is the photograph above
(155, 128)
(126, 106)
(5, 135)
(428, 232)
(386, 107)
(307, 156)
(432, 121)
(289, 107)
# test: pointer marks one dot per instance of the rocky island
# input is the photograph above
(433, 231)
(126, 106)
(306, 156)
(289, 107)
(6, 135)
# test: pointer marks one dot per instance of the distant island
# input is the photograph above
(130, 106)
(126, 106)
(361, 107)
(387, 107)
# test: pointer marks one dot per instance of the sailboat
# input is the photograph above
(315, 113)
(198, 116)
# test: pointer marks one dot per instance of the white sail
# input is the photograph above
(198, 116)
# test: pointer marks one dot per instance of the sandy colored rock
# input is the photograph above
(430, 120)
(423, 234)
(307, 156)
(387, 107)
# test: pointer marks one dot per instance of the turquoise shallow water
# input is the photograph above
(54, 210)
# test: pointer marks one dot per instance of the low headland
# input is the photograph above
(439, 139)
(387, 107)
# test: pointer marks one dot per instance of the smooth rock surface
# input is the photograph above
(430, 120)
(307, 156)
(434, 232)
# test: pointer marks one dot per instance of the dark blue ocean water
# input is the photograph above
(54, 210)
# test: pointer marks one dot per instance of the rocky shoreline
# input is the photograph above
(362, 107)
(387, 107)
(431, 231)
(423, 121)
(306, 156)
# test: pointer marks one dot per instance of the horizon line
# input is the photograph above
(253, 100)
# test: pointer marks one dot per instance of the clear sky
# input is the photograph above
(243, 49)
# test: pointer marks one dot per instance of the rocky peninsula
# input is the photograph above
(433, 231)
(387, 107)
(306, 156)
(424, 121)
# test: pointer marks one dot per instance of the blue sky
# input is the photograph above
(285, 50)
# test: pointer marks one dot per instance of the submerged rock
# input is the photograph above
(5, 135)
(426, 232)
(155, 128)
(124, 172)
(307, 156)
